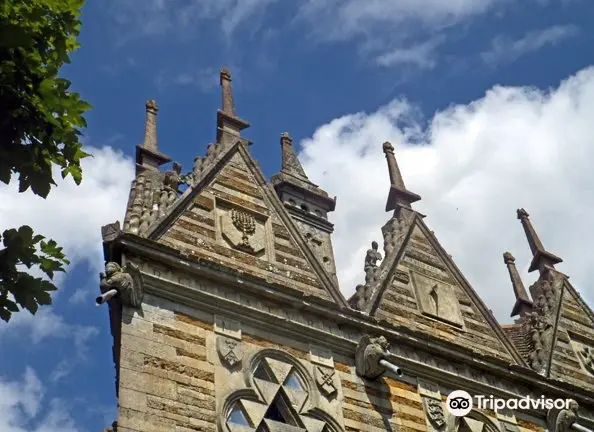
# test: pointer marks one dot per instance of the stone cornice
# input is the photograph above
(337, 329)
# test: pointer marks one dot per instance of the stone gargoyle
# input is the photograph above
(127, 281)
(368, 355)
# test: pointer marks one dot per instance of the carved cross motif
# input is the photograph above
(325, 380)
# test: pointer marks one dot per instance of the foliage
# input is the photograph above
(40, 121)
(20, 249)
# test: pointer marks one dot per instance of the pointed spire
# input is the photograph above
(523, 304)
(147, 153)
(228, 123)
(399, 196)
(540, 257)
(290, 162)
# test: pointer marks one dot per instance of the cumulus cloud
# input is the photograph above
(21, 407)
(505, 49)
(474, 165)
(72, 215)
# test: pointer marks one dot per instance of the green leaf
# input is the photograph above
(40, 129)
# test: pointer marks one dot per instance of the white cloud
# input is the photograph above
(505, 49)
(73, 215)
(350, 18)
(474, 165)
(158, 17)
(22, 407)
(422, 55)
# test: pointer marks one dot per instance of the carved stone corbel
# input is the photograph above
(561, 420)
(368, 355)
(110, 231)
(126, 281)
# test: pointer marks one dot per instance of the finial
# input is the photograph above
(523, 304)
(227, 92)
(150, 126)
(399, 196)
(148, 155)
(229, 125)
(290, 162)
(540, 257)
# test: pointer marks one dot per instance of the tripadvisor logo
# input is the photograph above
(459, 403)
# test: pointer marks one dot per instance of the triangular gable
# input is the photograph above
(572, 356)
(234, 218)
(425, 291)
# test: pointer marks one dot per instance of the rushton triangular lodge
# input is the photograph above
(226, 313)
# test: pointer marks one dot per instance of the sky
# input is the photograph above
(489, 104)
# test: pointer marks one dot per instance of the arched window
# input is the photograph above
(279, 398)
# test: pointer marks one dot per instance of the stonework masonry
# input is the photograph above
(226, 312)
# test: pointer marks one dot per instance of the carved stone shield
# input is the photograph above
(325, 380)
(434, 410)
(230, 350)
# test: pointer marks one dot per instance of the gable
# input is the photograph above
(233, 218)
(428, 294)
(573, 351)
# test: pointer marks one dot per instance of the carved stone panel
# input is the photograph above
(230, 351)
(435, 413)
(325, 378)
(243, 231)
(585, 353)
(437, 299)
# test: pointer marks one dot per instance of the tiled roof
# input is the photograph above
(519, 338)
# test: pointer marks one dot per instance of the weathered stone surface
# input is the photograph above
(233, 316)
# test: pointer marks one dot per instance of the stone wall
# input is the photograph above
(573, 356)
(166, 380)
(177, 374)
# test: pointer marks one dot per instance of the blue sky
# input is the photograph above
(488, 102)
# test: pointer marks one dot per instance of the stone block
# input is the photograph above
(132, 399)
(147, 383)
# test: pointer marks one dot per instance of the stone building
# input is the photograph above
(226, 313)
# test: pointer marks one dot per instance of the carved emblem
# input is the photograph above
(435, 413)
(246, 225)
(325, 380)
(242, 231)
(230, 350)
